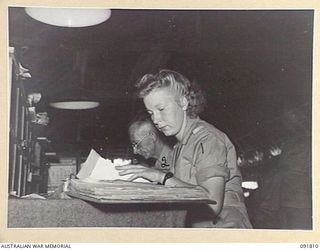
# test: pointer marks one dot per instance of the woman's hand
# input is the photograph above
(137, 171)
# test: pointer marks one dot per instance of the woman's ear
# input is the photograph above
(184, 102)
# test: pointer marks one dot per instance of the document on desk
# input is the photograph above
(98, 181)
(97, 168)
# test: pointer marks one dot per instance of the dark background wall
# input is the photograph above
(254, 65)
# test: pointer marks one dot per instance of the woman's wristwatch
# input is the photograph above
(167, 176)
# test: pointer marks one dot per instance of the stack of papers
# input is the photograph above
(96, 168)
(129, 192)
(98, 181)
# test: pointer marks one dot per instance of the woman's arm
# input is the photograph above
(151, 174)
(215, 186)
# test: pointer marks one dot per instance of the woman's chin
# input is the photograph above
(167, 133)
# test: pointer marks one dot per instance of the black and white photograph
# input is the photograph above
(160, 118)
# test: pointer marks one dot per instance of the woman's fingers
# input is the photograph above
(133, 177)
(131, 171)
(140, 171)
(124, 167)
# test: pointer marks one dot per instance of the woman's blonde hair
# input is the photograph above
(179, 84)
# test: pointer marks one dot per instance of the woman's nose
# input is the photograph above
(155, 118)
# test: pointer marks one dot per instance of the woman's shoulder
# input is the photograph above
(205, 131)
(207, 128)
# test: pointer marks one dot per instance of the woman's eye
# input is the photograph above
(161, 109)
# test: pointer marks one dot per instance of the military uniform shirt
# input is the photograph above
(206, 152)
(165, 160)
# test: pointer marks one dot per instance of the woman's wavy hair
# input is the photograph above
(179, 84)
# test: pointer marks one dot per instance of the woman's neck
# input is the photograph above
(179, 136)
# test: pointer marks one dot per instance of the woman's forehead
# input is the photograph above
(160, 95)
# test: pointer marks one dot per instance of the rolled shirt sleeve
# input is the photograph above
(211, 159)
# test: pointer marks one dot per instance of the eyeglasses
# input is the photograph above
(135, 145)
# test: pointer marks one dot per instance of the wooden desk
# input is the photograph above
(37, 213)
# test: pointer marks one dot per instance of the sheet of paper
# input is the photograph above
(98, 168)
(88, 166)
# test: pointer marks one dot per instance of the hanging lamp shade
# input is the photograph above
(75, 105)
(74, 98)
(69, 17)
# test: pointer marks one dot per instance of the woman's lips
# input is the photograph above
(162, 128)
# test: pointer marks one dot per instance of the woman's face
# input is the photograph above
(165, 112)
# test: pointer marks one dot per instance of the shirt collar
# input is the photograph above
(190, 126)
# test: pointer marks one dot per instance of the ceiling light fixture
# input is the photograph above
(69, 17)
(75, 105)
